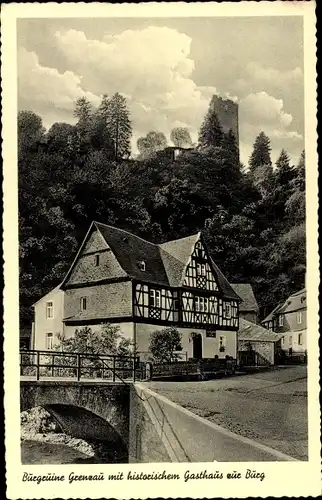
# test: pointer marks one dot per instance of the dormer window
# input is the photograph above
(141, 265)
(281, 320)
(97, 260)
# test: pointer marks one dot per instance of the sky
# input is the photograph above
(168, 69)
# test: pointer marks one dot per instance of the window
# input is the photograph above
(299, 318)
(290, 341)
(281, 320)
(222, 343)
(49, 310)
(141, 265)
(201, 269)
(227, 310)
(49, 340)
(155, 298)
(83, 303)
(176, 304)
(300, 339)
(97, 260)
(201, 304)
(283, 340)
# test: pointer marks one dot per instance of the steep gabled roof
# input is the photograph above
(130, 250)
(245, 292)
(252, 332)
(165, 263)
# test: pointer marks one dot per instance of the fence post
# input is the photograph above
(114, 368)
(53, 365)
(133, 368)
(78, 366)
(38, 358)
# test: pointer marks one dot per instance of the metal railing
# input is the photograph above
(57, 364)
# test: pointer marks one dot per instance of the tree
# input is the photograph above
(261, 153)
(284, 171)
(229, 144)
(106, 341)
(211, 132)
(119, 125)
(31, 133)
(295, 205)
(164, 343)
(83, 110)
(152, 142)
(180, 137)
(61, 139)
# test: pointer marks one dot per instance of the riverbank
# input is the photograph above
(43, 442)
(40, 453)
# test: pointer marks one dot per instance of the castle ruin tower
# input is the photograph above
(227, 112)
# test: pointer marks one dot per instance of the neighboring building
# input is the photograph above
(256, 345)
(289, 319)
(172, 152)
(227, 112)
(248, 307)
(121, 279)
(48, 320)
(25, 338)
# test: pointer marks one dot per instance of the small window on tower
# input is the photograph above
(97, 260)
(83, 303)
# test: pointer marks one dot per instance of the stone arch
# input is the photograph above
(96, 413)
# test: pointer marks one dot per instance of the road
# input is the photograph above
(269, 407)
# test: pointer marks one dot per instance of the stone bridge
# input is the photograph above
(92, 410)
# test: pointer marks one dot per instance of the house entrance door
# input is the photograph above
(197, 346)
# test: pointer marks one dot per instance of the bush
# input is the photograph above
(164, 343)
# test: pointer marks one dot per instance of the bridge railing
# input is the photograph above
(80, 365)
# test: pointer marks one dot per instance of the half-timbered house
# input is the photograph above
(121, 279)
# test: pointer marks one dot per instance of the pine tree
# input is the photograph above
(261, 153)
(211, 132)
(83, 110)
(284, 172)
(119, 125)
(229, 144)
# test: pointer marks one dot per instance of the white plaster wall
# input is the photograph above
(210, 345)
(43, 325)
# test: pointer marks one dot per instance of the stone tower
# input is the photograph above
(227, 112)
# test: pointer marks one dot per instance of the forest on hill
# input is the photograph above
(253, 219)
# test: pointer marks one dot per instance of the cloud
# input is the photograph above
(263, 112)
(262, 108)
(256, 77)
(151, 66)
(45, 86)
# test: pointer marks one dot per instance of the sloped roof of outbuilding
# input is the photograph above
(256, 333)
